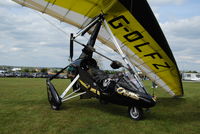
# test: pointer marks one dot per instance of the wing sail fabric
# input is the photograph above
(135, 28)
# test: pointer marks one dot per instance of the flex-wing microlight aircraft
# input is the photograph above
(130, 28)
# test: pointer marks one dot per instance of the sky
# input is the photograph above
(29, 38)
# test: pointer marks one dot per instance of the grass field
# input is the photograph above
(24, 109)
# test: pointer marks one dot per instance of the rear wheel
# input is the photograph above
(135, 113)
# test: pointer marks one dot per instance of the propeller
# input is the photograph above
(71, 46)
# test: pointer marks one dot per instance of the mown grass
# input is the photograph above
(24, 109)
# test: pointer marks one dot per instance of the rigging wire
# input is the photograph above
(97, 44)
(59, 29)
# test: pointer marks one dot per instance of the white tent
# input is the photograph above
(191, 76)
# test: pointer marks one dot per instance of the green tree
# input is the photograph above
(44, 70)
(26, 70)
(55, 71)
(33, 71)
(191, 71)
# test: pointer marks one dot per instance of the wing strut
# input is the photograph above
(123, 55)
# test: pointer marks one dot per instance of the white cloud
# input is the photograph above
(7, 3)
(184, 37)
(163, 2)
(197, 61)
(185, 57)
(27, 39)
(14, 49)
(187, 28)
(157, 15)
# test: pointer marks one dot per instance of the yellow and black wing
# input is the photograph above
(135, 28)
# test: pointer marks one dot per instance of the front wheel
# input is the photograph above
(53, 97)
(135, 113)
(55, 105)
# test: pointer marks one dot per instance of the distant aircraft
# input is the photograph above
(130, 28)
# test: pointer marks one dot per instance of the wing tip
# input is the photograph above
(178, 96)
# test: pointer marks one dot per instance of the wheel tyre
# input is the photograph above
(53, 99)
(135, 113)
(54, 107)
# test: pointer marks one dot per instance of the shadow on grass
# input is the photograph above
(95, 104)
(178, 110)
(171, 102)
